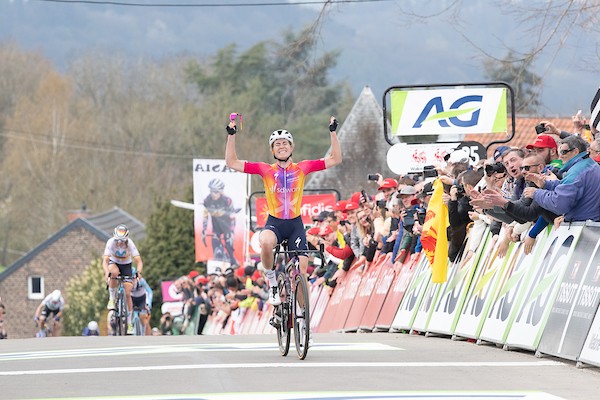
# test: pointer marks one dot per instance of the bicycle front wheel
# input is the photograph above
(301, 317)
(282, 313)
(121, 317)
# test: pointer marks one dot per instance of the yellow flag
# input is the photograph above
(434, 237)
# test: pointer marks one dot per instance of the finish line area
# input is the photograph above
(338, 366)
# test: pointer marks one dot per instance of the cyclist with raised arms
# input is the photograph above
(119, 253)
(284, 184)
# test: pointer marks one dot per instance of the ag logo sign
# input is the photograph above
(448, 111)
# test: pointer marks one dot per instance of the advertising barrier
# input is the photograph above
(403, 276)
(481, 292)
(378, 297)
(407, 311)
(528, 326)
(453, 292)
(510, 296)
(363, 295)
(573, 310)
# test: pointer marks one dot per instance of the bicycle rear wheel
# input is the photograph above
(301, 317)
(283, 312)
(138, 329)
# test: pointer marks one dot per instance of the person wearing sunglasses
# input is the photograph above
(119, 254)
(576, 196)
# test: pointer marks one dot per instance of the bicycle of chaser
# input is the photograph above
(294, 310)
(118, 316)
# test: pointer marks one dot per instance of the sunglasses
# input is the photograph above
(120, 240)
(528, 167)
(565, 151)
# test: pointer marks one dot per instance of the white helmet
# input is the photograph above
(121, 232)
(280, 134)
(55, 296)
(93, 326)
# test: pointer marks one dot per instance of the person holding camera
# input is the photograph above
(361, 239)
(408, 239)
(459, 208)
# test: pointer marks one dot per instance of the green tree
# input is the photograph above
(275, 85)
(86, 297)
(168, 249)
(517, 72)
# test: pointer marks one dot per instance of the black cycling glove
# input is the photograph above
(231, 131)
(333, 125)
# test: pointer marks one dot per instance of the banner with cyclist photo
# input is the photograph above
(220, 195)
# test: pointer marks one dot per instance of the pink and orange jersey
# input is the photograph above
(284, 186)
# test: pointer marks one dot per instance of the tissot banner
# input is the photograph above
(577, 301)
(220, 195)
(448, 111)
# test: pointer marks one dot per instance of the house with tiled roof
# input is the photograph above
(54, 262)
(524, 132)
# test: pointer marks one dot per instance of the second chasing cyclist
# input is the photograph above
(284, 184)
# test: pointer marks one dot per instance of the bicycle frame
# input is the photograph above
(294, 311)
(118, 317)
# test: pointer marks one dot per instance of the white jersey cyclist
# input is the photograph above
(52, 303)
(119, 252)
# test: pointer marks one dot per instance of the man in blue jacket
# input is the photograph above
(577, 194)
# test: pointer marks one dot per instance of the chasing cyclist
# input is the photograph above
(222, 215)
(284, 184)
(51, 306)
(119, 253)
(141, 297)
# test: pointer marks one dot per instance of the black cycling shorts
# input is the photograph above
(291, 230)
(124, 270)
(139, 303)
(48, 312)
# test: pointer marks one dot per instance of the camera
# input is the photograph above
(498, 167)
(429, 171)
(421, 216)
(372, 177)
(541, 128)
(409, 219)
(586, 127)
(460, 190)
(381, 203)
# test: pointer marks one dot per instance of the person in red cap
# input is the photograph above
(546, 147)
(284, 185)
(388, 187)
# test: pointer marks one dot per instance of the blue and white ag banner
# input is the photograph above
(448, 111)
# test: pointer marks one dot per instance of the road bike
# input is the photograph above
(294, 310)
(47, 328)
(138, 327)
(118, 316)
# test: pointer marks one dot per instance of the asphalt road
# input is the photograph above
(338, 366)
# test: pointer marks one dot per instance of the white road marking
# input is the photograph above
(187, 348)
(188, 367)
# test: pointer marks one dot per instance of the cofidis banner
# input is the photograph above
(448, 111)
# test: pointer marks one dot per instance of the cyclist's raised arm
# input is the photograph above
(231, 158)
(335, 154)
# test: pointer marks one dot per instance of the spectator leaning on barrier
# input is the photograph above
(577, 195)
